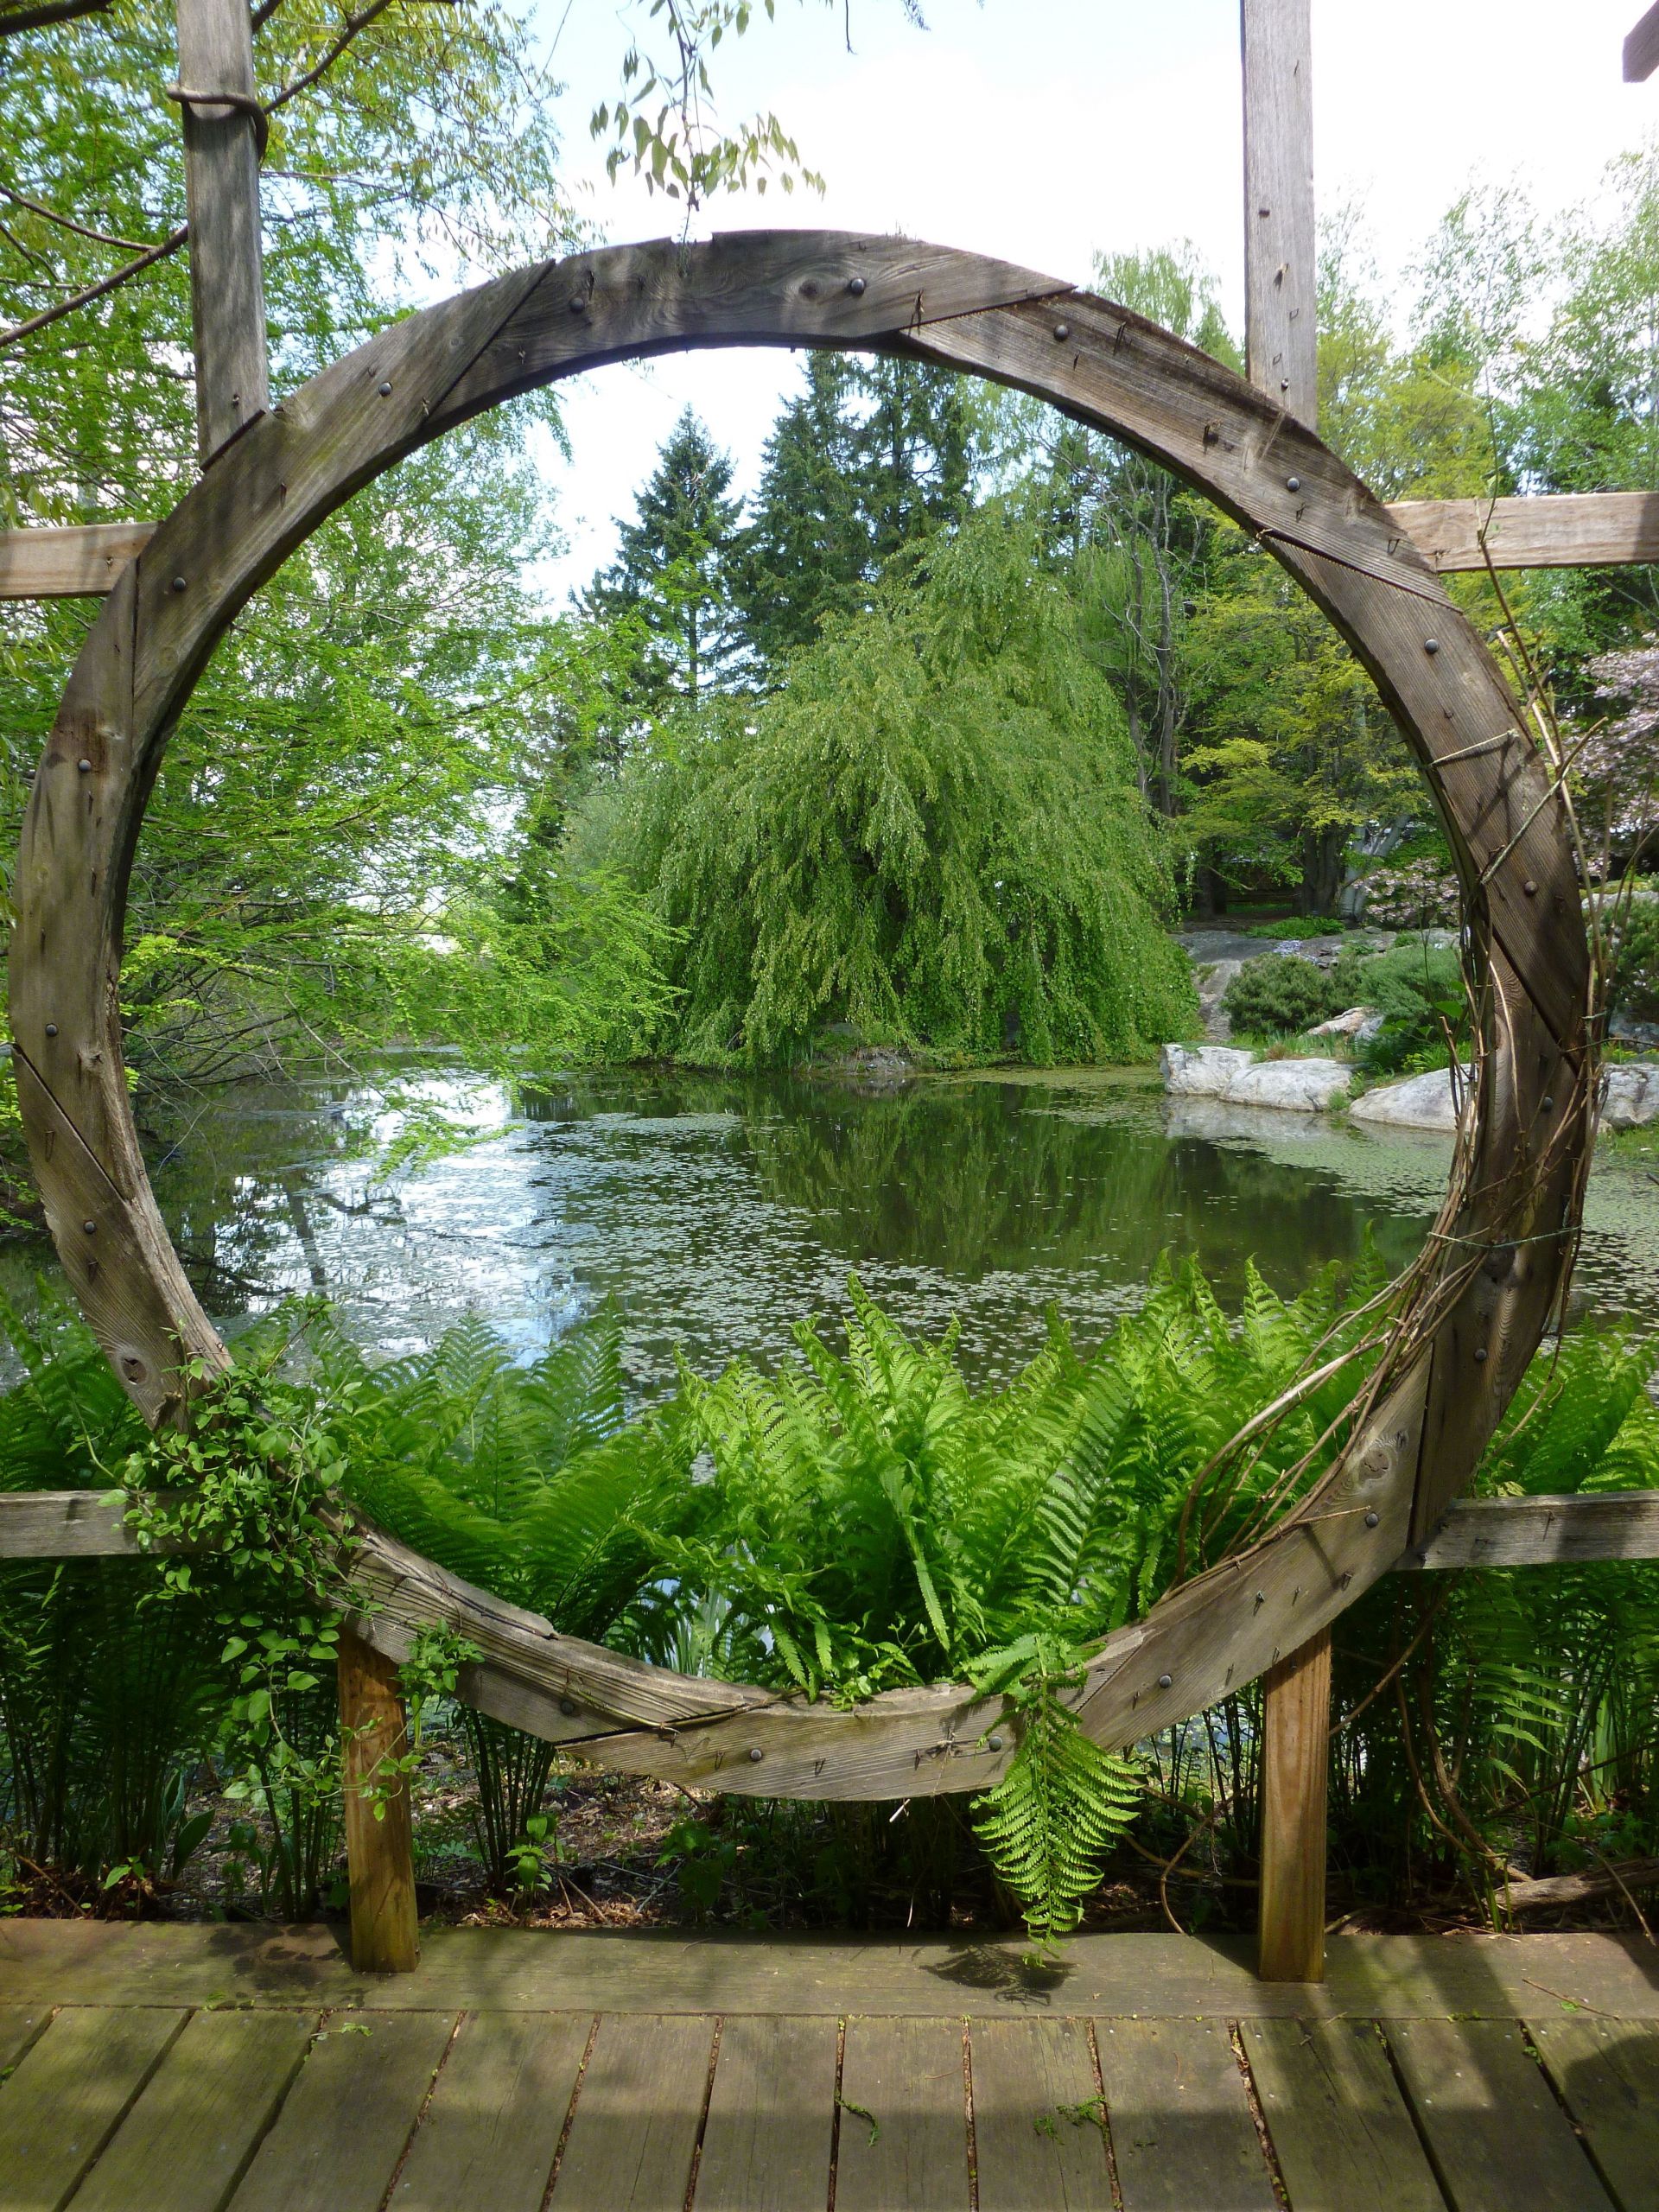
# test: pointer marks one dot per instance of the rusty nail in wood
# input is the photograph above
(1431, 644)
(856, 286)
(85, 766)
(1164, 1680)
(51, 1028)
(1371, 1520)
(755, 1755)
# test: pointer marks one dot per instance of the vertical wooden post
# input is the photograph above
(1281, 274)
(1281, 251)
(1295, 1757)
(221, 183)
(379, 1854)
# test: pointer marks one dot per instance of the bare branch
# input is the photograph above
(170, 244)
(52, 11)
(103, 237)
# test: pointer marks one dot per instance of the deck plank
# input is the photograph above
(638, 2114)
(70, 2092)
(1039, 2138)
(19, 2025)
(1341, 2130)
(490, 2133)
(1499, 2141)
(1182, 2132)
(766, 2147)
(184, 2145)
(902, 2082)
(1607, 2074)
(341, 2132)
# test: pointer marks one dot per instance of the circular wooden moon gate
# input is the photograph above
(1501, 1245)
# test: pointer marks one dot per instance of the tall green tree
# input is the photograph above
(675, 575)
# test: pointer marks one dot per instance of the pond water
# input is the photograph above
(714, 1211)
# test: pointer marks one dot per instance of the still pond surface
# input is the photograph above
(714, 1211)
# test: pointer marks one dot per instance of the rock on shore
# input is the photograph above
(1223, 1071)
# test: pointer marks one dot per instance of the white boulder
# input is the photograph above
(1221, 1072)
(1360, 1021)
(1422, 1102)
(1631, 1100)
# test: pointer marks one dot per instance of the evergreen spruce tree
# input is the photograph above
(675, 575)
(873, 458)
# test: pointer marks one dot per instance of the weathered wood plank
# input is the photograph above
(1607, 2073)
(1499, 2141)
(75, 561)
(344, 2125)
(379, 1831)
(1370, 1977)
(1340, 2129)
(1541, 1531)
(903, 2145)
(487, 2141)
(19, 2025)
(1642, 48)
(771, 2126)
(184, 2145)
(70, 1524)
(1552, 529)
(1295, 1757)
(69, 2093)
(221, 184)
(1039, 2120)
(1182, 2131)
(1280, 240)
(638, 2113)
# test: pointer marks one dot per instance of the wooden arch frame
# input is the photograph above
(1502, 1242)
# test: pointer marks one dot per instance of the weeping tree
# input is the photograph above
(931, 837)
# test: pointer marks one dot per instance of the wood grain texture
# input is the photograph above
(489, 2136)
(1182, 2131)
(904, 2118)
(1039, 2122)
(766, 2146)
(1341, 2132)
(638, 2114)
(1295, 1758)
(71, 1524)
(1280, 240)
(1499, 2142)
(77, 561)
(1552, 529)
(345, 2121)
(187, 2142)
(1641, 55)
(379, 1834)
(68, 2094)
(19, 2025)
(1606, 2072)
(221, 185)
(1541, 1531)
(1502, 1251)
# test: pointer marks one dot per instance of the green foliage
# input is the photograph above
(930, 838)
(1636, 959)
(1282, 995)
(1418, 988)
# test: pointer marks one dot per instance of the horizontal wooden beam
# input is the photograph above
(80, 562)
(69, 1524)
(1642, 48)
(1556, 530)
(1542, 1531)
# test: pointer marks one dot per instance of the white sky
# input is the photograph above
(1044, 131)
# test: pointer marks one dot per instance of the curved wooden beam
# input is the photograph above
(1501, 1245)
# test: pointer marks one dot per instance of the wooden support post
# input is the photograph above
(1641, 49)
(221, 181)
(1280, 256)
(1296, 1753)
(379, 1854)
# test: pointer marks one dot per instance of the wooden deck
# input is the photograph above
(189, 2069)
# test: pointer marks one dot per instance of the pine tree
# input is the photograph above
(676, 572)
(871, 458)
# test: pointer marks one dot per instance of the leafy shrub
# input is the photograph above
(1282, 995)
(1635, 960)
(1418, 990)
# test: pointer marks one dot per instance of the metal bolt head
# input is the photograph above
(1293, 483)
(178, 583)
(1371, 1520)
(994, 1743)
(1062, 332)
(568, 1707)
(1480, 1355)
(856, 286)
(755, 1755)
(384, 391)
(85, 766)
(91, 1228)
(1548, 1105)
(1530, 888)
(1431, 644)
(1164, 1680)
(51, 1028)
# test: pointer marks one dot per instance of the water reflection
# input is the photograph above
(715, 1209)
